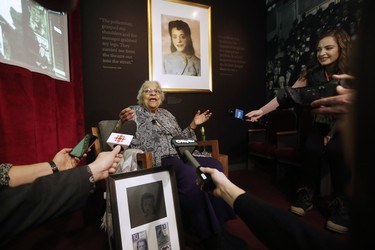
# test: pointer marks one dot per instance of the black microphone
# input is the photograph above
(184, 148)
(129, 127)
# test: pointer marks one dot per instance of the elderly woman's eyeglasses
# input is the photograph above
(149, 91)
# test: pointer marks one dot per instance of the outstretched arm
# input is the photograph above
(254, 115)
(23, 174)
(275, 227)
(53, 195)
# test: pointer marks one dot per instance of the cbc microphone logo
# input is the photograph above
(120, 138)
(123, 140)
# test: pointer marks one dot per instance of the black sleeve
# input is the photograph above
(46, 198)
(279, 229)
(284, 99)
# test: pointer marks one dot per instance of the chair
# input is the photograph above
(212, 146)
(263, 141)
(104, 130)
(289, 152)
(290, 143)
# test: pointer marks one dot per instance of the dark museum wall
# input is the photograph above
(238, 84)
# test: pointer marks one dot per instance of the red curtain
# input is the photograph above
(40, 115)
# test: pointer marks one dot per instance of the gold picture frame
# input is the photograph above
(180, 71)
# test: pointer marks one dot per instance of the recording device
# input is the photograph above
(236, 113)
(83, 146)
(240, 114)
(184, 148)
(305, 95)
(124, 137)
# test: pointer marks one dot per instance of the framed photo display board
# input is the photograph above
(145, 209)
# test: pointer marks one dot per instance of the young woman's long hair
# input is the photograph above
(343, 63)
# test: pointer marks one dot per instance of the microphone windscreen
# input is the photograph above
(181, 145)
(129, 128)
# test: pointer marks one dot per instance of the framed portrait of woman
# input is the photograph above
(180, 45)
(145, 209)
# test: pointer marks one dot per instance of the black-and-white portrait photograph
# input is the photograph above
(146, 210)
(146, 203)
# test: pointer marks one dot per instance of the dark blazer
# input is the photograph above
(46, 198)
(279, 229)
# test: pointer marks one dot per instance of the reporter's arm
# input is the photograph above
(254, 115)
(46, 198)
(275, 227)
(51, 196)
(224, 187)
(23, 174)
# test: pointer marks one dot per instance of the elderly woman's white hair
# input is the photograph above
(140, 92)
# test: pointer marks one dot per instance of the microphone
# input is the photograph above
(236, 113)
(184, 148)
(240, 114)
(124, 136)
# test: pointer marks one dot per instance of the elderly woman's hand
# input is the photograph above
(126, 114)
(200, 118)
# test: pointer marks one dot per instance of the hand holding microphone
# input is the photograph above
(253, 116)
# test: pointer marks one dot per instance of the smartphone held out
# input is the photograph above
(83, 146)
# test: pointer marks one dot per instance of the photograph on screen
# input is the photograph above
(34, 38)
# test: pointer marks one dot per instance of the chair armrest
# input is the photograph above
(213, 148)
(223, 158)
(287, 138)
(257, 135)
(145, 159)
(95, 131)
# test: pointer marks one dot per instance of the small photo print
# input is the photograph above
(140, 241)
(162, 236)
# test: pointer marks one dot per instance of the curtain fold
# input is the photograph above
(40, 115)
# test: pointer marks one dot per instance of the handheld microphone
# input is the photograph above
(236, 113)
(240, 114)
(124, 136)
(184, 148)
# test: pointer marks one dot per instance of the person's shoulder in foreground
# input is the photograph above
(50, 196)
(276, 228)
